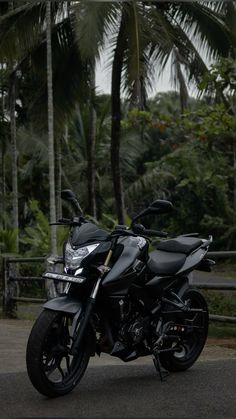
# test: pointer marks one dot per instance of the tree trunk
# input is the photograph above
(12, 102)
(2, 92)
(14, 156)
(91, 143)
(58, 177)
(116, 121)
(234, 178)
(51, 155)
(51, 292)
(183, 90)
(3, 189)
(3, 177)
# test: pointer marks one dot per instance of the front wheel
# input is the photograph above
(193, 343)
(52, 370)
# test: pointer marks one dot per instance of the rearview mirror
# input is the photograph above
(160, 206)
(68, 195)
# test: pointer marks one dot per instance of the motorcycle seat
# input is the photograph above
(181, 244)
(165, 263)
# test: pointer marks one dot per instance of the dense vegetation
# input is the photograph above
(170, 146)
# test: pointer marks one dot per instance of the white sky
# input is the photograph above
(103, 79)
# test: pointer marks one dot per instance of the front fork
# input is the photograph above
(90, 305)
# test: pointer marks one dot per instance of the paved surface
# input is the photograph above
(210, 278)
(111, 388)
(207, 390)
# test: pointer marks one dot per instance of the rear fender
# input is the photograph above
(181, 286)
(205, 265)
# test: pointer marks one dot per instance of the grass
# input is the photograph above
(222, 330)
(225, 269)
(28, 311)
(24, 311)
(220, 303)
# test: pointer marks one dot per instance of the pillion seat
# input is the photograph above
(171, 254)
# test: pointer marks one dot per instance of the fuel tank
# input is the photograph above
(125, 270)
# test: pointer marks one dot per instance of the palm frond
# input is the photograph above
(69, 75)
(92, 21)
(152, 183)
(207, 26)
(21, 28)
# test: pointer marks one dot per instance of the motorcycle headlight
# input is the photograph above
(74, 257)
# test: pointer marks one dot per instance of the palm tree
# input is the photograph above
(12, 112)
(51, 155)
(3, 141)
(116, 118)
(91, 143)
(12, 96)
(58, 177)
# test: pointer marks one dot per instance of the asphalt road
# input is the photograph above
(111, 388)
(210, 278)
(206, 390)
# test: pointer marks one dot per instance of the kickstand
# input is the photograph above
(162, 373)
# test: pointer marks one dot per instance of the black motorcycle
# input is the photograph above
(119, 299)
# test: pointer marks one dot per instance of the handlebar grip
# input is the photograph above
(140, 229)
(155, 233)
(64, 220)
(61, 221)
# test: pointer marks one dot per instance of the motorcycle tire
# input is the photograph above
(52, 370)
(192, 344)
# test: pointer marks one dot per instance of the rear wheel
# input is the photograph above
(51, 368)
(192, 344)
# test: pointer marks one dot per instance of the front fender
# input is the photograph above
(66, 304)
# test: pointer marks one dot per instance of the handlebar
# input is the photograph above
(120, 230)
(75, 221)
(140, 229)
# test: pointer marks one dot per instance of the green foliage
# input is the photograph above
(220, 303)
(194, 178)
(206, 171)
(221, 77)
(212, 124)
(190, 161)
(8, 241)
(137, 118)
(222, 330)
(36, 237)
